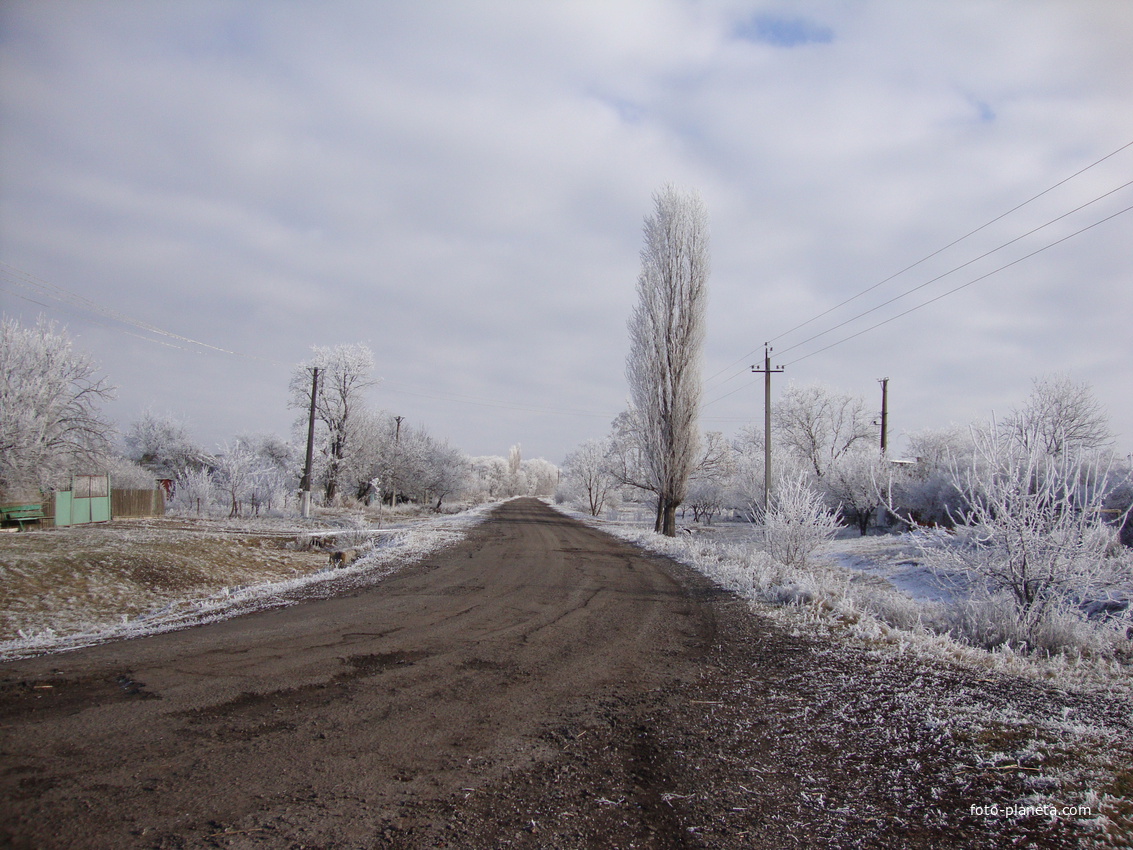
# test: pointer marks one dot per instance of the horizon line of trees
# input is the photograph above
(51, 426)
(829, 440)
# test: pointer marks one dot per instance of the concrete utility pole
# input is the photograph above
(767, 373)
(884, 414)
(305, 484)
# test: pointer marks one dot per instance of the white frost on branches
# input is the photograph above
(798, 523)
(50, 396)
(344, 375)
(666, 340)
(588, 471)
(1032, 533)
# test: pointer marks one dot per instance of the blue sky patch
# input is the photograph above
(784, 32)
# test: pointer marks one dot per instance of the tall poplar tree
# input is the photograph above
(666, 343)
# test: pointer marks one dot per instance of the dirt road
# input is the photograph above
(538, 685)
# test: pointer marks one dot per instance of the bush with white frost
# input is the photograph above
(797, 523)
(1032, 540)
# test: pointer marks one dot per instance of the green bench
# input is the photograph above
(21, 514)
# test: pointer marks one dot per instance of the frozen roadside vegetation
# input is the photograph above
(70, 588)
(1063, 721)
(880, 590)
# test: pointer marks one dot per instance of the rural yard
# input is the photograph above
(542, 684)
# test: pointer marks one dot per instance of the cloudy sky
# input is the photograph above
(200, 191)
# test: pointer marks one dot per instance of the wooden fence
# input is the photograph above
(128, 503)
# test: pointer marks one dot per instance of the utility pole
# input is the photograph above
(305, 484)
(397, 440)
(767, 373)
(884, 414)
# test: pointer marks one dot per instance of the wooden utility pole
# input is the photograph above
(397, 440)
(767, 373)
(884, 414)
(305, 484)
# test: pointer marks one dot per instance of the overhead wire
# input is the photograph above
(920, 286)
(72, 302)
(961, 286)
(911, 266)
(496, 403)
(14, 276)
(955, 242)
(943, 275)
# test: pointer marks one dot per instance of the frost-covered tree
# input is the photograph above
(410, 463)
(50, 399)
(588, 471)
(277, 462)
(540, 476)
(516, 480)
(162, 445)
(666, 333)
(855, 483)
(488, 476)
(344, 375)
(1059, 414)
(710, 485)
(923, 493)
(626, 453)
(235, 471)
(446, 471)
(747, 482)
(194, 489)
(819, 425)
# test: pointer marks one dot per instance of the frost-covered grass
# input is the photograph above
(1064, 720)
(66, 588)
(879, 589)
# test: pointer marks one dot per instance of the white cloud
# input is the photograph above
(462, 186)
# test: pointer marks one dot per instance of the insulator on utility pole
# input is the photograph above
(767, 372)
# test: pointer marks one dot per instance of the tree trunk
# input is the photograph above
(669, 519)
(658, 523)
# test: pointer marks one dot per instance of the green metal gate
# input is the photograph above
(87, 501)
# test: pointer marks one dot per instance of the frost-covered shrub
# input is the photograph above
(193, 491)
(797, 523)
(1032, 539)
(991, 622)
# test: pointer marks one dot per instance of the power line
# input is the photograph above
(956, 241)
(12, 275)
(72, 302)
(928, 302)
(951, 244)
(100, 320)
(505, 405)
(955, 269)
(961, 286)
